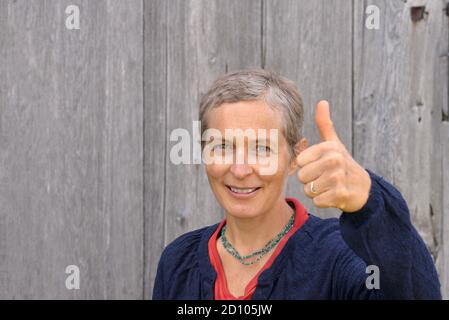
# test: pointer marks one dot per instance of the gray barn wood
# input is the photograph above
(71, 146)
(86, 117)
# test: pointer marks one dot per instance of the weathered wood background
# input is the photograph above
(85, 118)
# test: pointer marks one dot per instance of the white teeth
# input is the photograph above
(238, 190)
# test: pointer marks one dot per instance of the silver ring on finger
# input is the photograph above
(312, 190)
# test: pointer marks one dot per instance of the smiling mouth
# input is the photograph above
(242, 190)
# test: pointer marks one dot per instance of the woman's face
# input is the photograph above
(242, 187)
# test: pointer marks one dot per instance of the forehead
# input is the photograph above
(245, 115)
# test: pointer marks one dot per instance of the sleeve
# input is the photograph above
(382, 235)
(158, 288)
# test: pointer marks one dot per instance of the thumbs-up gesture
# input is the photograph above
(331, 177)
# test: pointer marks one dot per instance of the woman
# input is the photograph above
(268, 246)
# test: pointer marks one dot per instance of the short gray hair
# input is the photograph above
(263, 85)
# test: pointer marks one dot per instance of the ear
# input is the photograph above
(299, 147)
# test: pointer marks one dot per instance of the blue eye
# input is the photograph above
(262, 148)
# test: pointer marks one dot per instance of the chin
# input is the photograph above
(242, 210)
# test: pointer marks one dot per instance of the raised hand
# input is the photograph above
(331, 177)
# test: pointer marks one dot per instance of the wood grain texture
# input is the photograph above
(71, 140)
(155, 141)
(202, 45)
(197, 42)
(443, 254)
(400, 88)
(86, 117)
(310, 43)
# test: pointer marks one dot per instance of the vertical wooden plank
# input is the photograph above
(202, 45)
(155, 141)
(124, 148)
(440, 152)
(443, 254)
(399, 93)
(441, 95)
(204, 40)
(71, 141)
(310, 42)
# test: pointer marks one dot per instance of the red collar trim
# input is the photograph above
(221, 291)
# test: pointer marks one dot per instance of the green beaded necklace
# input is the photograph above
(259, 253)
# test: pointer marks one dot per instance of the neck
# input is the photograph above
(250, 234)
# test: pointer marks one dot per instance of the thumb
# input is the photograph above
(324, 123)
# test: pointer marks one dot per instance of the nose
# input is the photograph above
(241, 171)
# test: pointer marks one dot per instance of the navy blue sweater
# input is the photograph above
(324, 259)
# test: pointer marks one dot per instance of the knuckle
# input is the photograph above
(299, 161)
(340, 157)
(338, 204)
(301, 175)
(334, 178)
(341, 194)
(336, 159)
(332, 161)
(306, 189)
(341, 204)
(337, 177)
